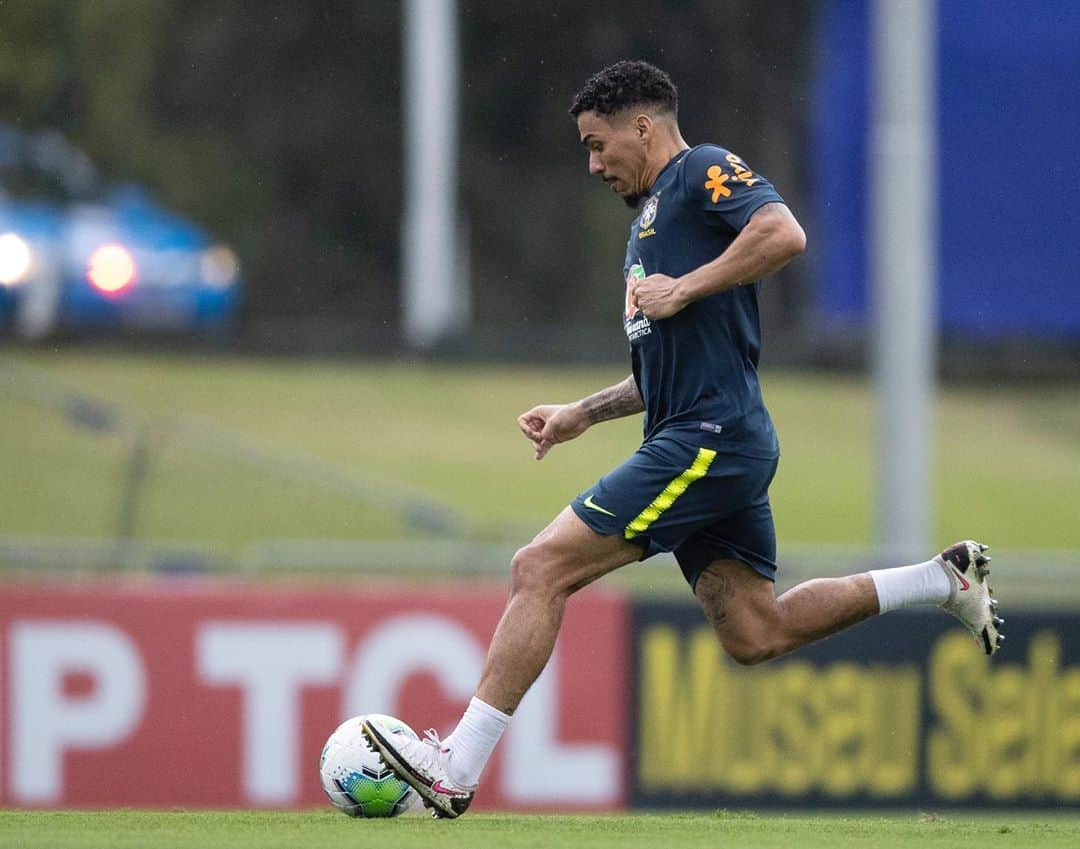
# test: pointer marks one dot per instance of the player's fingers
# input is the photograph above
(542, 448)
(530, 426)
(552, 434)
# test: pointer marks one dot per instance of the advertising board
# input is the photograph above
(903, 710)
(202, 694)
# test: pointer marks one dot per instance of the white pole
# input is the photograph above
(903, 267)
(434, 298)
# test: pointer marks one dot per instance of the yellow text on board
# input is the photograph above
(1027, 716)
(847, 727)
(790, 729)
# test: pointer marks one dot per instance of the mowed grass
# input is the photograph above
(1005, 469)
(239, 830)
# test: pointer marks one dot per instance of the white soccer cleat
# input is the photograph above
(971, 600)
(423, 764)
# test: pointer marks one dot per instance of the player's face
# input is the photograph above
(616, 153)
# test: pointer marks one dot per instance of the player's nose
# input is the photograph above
(596, 165)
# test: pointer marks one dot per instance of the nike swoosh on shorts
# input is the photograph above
(592, 505)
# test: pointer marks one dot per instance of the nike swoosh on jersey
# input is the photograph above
(592, 505)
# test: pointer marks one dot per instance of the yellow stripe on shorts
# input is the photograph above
(672, 491)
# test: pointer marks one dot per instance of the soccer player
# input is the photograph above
(709, 228)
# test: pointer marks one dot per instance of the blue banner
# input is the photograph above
(1006, 171)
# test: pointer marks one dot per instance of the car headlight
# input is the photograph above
(15, 259)
(111, 269)
(220, 267)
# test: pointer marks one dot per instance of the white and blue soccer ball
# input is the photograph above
(356, 778)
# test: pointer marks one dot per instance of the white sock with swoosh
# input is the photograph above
(906, 586)
(473, 741)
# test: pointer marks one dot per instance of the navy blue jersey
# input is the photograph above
(697, 370)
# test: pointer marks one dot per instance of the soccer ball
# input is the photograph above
(356, 778)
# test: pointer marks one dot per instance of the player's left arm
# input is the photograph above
(769, 241)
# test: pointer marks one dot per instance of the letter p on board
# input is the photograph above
(45, 721)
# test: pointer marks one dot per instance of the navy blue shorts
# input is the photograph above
(681, 494)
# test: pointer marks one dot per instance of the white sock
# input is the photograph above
(905, 586)
(474, 740)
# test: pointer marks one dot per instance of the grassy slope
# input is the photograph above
(1006, 460)
(238, 830)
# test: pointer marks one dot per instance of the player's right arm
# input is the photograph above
(550, 424)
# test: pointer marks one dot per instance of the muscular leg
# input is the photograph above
(754, 625)
(564, 557)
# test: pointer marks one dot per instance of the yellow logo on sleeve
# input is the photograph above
(717, 177)
(716, 181)
(742, 173)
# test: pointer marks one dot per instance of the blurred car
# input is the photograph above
(78, 254)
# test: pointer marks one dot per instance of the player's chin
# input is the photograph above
(630, 198)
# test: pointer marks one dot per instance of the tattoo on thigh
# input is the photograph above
(713, 590)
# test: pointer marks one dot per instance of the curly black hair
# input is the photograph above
(625, 84)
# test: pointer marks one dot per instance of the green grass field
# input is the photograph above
(1006, 459)
(744, 830)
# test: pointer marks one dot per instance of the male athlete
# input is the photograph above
(709, 229)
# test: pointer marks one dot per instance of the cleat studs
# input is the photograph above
(1000, 639)
(998, 621)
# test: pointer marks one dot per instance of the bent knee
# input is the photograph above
(523, 569)
(750, 651)
(534, 571)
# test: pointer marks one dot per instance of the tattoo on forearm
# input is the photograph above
(616, 401)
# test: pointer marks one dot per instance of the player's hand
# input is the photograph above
(657, 296)
(550, 424)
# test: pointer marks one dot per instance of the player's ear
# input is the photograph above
(643, 127)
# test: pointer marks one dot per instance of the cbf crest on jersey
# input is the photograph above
(648, 214)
